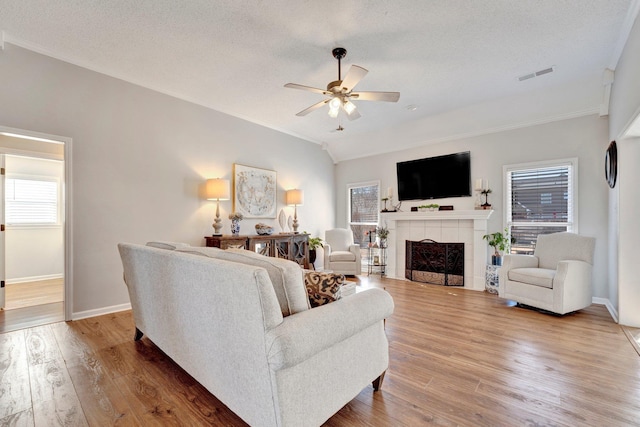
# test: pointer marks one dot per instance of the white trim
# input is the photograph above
(19, 280)
(68, 213)
(359, 185)
(573, 161)
(100, 311)
(607, 303)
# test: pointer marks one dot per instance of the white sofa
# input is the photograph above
(556, 278)
(240, 323)
(341, 255)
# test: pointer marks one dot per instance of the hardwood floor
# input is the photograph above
(32, 304)
(457, 358)
(20, 295)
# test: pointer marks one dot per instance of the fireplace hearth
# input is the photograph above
(428, 261)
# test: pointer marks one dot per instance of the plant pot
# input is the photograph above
(496, 259)
(312, 255)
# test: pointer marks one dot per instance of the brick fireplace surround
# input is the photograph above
(467, 227)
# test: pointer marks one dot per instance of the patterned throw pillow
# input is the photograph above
(322, 288)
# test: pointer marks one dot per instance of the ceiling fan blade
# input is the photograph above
(307, 88)
(376, 96)
(354, 75)
(312, 108)
(354, 115)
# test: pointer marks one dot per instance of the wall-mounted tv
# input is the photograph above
(435, 177)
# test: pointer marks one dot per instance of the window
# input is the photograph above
(31, 201)
(364, 208)
(540, 199)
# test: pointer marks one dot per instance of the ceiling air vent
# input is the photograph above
(537, 73)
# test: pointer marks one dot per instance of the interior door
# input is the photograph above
(2, 249)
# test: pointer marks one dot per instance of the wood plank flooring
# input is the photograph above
(457, 358)
(20, 295)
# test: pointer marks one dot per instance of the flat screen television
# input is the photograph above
(435, 177)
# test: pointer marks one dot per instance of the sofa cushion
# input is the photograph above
(285, 275)
(533, 276)
(342, 256)
(322, 288)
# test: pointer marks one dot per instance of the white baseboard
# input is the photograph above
(605, 301)
(34, 278)
(100, 311)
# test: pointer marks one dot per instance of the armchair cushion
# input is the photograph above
(322, 288)
(342, 256)
(533, 276)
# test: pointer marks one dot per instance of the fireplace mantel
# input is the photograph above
(466, 226)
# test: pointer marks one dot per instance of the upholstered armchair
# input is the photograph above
(341, 255)
(556, 278)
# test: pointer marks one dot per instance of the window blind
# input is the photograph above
(31, 201)
(539, 201)
(363, 212)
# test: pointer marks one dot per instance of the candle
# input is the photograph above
(389, 192)
(478, 184)
(486, 184)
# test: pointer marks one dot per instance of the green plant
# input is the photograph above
(382, 232)
(499, 242)
(314, 242)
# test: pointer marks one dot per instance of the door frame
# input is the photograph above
(68, 197)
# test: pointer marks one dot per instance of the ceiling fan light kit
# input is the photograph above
(340, 92)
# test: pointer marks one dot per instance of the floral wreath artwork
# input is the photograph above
(254, 192)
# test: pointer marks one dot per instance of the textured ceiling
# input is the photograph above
(457, 61)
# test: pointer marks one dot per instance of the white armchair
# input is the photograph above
(556, 278)
(340, 253)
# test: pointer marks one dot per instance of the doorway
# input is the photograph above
(33, 246)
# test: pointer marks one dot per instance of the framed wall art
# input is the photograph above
(254, 191)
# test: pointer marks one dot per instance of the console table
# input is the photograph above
(291, 246)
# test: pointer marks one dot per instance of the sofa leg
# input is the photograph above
(138, 335)
(377, 383)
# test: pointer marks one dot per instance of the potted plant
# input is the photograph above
(500, 243)
(382, 233)
(314, 244)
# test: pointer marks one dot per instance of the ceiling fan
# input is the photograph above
(340, 92)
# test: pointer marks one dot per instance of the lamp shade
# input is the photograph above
(295, 197)
(217, 189)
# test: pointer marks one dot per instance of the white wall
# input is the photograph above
(139, 158)
(584, 138)
(34, 253)
(624, 200)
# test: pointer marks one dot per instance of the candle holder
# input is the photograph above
(486, 204)
(385, 199)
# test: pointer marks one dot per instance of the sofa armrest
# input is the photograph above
(305, 334)
(355, 249)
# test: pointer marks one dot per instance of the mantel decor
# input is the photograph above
(254, 191)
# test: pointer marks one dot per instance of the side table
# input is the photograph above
(377, 260)
(491, 278)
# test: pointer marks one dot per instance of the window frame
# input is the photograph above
(59, 201)
(572, 220)
(360, 185)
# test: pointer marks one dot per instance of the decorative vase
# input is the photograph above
(496, 260)
(235, 226)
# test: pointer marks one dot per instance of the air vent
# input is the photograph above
(537, 73)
